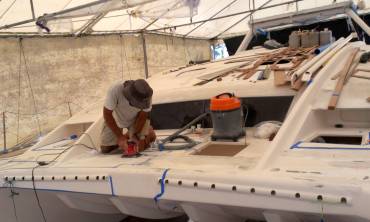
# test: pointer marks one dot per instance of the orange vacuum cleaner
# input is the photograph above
(227, 117)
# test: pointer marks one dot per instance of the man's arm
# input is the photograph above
(140, 121)
(111, 123)
(109, 120)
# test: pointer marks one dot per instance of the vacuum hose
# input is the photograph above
(176, 135)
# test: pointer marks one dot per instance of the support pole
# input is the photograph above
(32, 9)
(4, 134)
(247, 39)
(69, 109)
(358, 21)
(145, 56)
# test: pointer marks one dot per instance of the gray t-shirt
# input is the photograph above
(123, 113)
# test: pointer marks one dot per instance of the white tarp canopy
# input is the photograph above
(182, 17)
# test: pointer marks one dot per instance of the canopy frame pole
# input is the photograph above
(214, 15)
(223, 17)
(32, 9)
(160, 16)
(245, 17)
(56, 13)
(246, 41)
(358, 21)
(87, 28)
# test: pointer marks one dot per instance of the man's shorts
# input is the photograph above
(108, 138)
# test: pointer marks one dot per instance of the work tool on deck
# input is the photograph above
(131, 150)
(227, 117)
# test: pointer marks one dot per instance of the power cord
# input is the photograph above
(12, 194)
(244, 124)
(36, 195)
(43, 163)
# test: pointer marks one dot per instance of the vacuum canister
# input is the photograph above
(227, 117)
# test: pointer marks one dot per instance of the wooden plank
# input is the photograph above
(280, 78)
(361, 77)
(342, 78)
(216, 72)
(191, 70)
(363, 70)
(297, 85)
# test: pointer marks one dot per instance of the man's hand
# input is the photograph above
(122, 142)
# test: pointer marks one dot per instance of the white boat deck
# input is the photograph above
(152, 158)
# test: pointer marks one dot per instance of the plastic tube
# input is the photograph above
(321, 49)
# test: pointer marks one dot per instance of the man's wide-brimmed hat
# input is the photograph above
(138, 93)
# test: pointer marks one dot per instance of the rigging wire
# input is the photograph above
(30, 84)
(19, 90)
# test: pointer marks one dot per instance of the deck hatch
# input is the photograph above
(217, 149)
(352, 140)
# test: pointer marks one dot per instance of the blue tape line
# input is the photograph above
(156, 198)
(111, 185)
(309, 82)
(296, 145)
(161, 147)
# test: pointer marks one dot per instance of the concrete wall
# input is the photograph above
(50, 72)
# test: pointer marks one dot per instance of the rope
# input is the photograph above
(12, 194)
(19, 89)
(29, 82)
(322, 212)
(36, 195)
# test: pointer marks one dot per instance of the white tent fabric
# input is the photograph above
(170, 16)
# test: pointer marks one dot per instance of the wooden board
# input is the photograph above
(342, 79)
(280, 78)
(297, 85)
(213, 73)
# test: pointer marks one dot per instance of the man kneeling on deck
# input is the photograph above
(127, 106)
